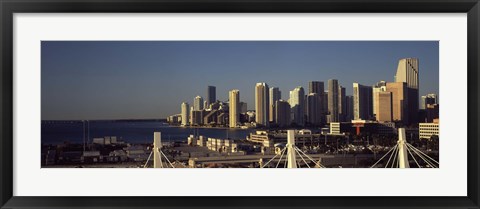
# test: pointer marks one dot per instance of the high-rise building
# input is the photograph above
(233, 110)
(197, 117)
(399, 101)
(198, 103)
(432, 112)
(275, 95)
(297, 105)
(243, 107)
(362, 102)
(313, 109)
(349, 108)
(324, 106)
(428, 99)
(282, 113)
(379, 87)
(211, 95)
(185, 113)
(341, 104)
(383, 105)
(333, 100)
(318, 87)
(408, 72)
(261, 104)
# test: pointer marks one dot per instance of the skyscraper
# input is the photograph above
(297, 105)
(198, 103)
(185, 113)
(319, 88)
(313, 109)
(341, 104)
(379, 87)
(261, 104)
(428, 99)
(324, 106)
(399, 101)
(282, 112)
(233, 110)
(383, 104)
(349, 108)
(211, 95)
(408, 72)
(333, 100)
(362, 102)
(316, 87)
(275, 95)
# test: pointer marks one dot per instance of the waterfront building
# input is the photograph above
(261, 104)
(275, 95)
(234, 101)
(427, 130)
(282, 113)
(211, 95)
(185, 111)
(379, 87)
(428, 99)
(197, 117)
(210, 117)
(342, 105)
(297, 105)
(383, 106)
(333, 100)
(198, 103)
(408, 72)
(243, 107)
(313, 109)
(399, 101)
(362, 102)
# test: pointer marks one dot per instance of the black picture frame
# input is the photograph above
(9, 7)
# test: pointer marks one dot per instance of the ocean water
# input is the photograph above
(57, 132)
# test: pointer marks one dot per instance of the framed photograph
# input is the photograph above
(239, 104)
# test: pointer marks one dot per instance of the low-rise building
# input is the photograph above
(427, 130)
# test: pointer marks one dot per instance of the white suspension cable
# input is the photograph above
(425, 155)
(166, 158)
(148, 160)
(302, 158)
(281, 151)
(383, 156)
(280, 160)
(394, 149)
(319, 165)
(408, 150)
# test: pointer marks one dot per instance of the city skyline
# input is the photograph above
(77, 84)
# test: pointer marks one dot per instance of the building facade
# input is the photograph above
(185, 112)
(297, 105)
(198, 103)
(399, 101)
(211, 95)
(383, 106)
(362, 102)
(333, 101)
(262, 104)
(275, 95)
(282, 113)
(234, 102)
(408, 72)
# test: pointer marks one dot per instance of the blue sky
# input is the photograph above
(149, 79)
